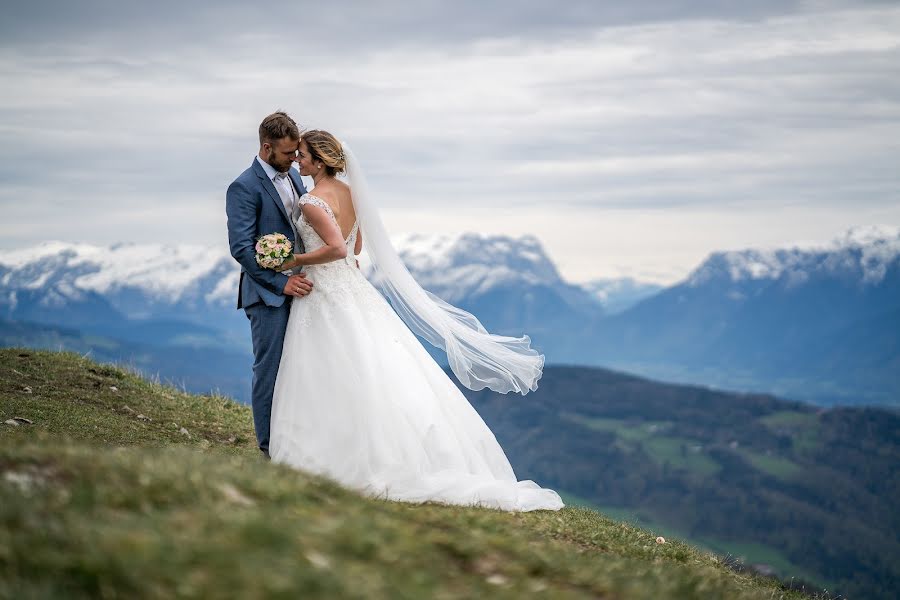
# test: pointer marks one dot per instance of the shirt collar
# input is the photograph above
(269, 169)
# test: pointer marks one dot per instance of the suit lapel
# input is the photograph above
(299, 188)
(298, 183)
(270, 189)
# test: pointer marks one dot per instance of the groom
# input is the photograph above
(259, 202)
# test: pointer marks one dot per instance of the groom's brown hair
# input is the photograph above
(276, 126)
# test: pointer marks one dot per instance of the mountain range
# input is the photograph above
(818, 323)
(804, 490)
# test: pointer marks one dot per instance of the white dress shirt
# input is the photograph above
(283, 186)
(289, 198)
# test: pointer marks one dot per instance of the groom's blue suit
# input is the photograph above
(255, 209)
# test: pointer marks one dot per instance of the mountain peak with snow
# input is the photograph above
(158, 270)
(865, 252)
(471, 264)
(869, 235)
(454, 266)
(525, 253)
(510, 283)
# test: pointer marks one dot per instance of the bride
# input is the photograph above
(357, 397)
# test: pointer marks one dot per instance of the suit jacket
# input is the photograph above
(255, 209)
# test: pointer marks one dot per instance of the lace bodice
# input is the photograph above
(311, 239)
(339, 282)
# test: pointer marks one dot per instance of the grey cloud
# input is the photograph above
(318, 26)
(114, 111)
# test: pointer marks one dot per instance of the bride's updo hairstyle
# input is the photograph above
(325, 148)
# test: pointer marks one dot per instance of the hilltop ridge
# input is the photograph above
(121, 487)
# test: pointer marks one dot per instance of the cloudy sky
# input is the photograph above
(632, 140)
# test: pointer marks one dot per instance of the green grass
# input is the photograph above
(751, 553)
(633, 432)
(669, 450)
(105, 496)
(653, 438)
(745, 552)
(790, 419)
(776, 466)
(802, 426)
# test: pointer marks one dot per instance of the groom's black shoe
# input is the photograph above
(265, 453)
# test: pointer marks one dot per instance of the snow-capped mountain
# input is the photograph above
(861, 253)
(166, 274)
(457, 267)
(510, 283)
(454, 267)
(153, 305)
(141, 292)
(815, 321)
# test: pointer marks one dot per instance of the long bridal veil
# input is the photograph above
(478, 359)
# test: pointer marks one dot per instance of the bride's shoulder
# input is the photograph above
(341, 192)
(321, 199)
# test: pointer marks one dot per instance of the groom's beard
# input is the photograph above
(272, 160)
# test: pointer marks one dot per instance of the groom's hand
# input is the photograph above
(297, 285)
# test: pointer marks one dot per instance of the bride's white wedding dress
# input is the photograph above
(359, 400)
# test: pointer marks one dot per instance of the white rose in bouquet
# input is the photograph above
(272, 250)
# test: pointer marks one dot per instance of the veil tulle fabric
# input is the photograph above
(478, 359)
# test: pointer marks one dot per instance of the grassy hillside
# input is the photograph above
(122, 488)
(218, 366)
(809, 492)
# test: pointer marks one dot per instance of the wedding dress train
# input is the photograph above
(359, 400)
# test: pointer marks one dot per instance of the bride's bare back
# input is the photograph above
(337, 195)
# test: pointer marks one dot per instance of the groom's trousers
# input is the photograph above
(267, 326)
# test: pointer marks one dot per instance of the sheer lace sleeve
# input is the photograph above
(316, 201)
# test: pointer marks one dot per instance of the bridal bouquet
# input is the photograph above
(272, 250)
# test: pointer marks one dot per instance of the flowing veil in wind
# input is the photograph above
(479, 359)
